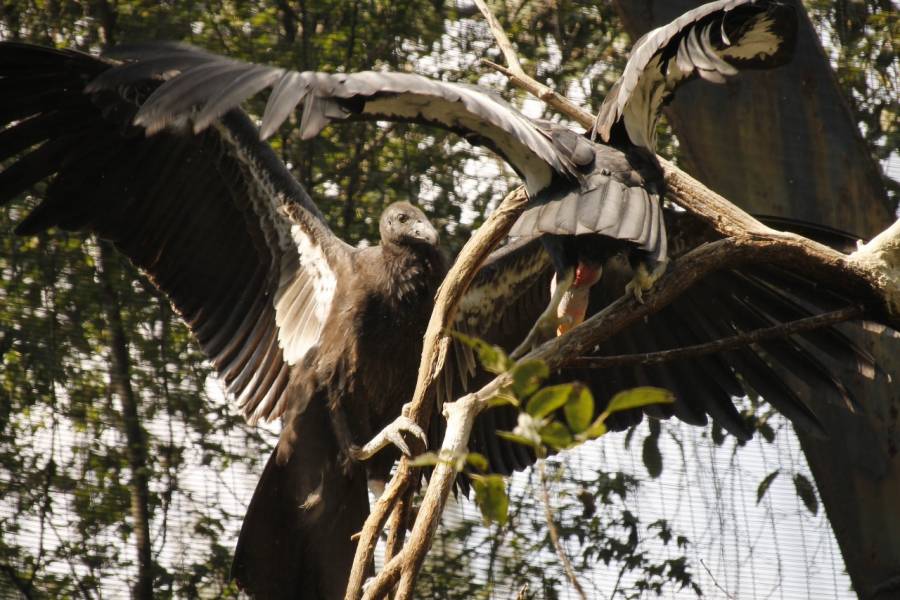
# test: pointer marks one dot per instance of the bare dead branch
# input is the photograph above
(405, 565)
(553, 99)
(500, 37)
(736, 341)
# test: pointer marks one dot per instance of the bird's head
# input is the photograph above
(403, 224)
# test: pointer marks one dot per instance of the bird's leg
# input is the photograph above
(644, 279)
(391, 434)
(546, 325)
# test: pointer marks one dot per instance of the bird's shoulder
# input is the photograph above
(627, 166)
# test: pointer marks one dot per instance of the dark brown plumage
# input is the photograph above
(346, 389)
(299, 324)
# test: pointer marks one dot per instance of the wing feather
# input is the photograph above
(792, 375)
(214, 85)
(213, 218)
(713, 41)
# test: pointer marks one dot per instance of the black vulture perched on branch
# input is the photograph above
(301, 325)
(589, 200)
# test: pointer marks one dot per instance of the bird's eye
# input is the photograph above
(403, 218)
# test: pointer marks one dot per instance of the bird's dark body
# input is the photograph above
(381, 317)
(612, 207)
(341, 395)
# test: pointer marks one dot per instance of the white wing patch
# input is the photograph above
(759, 41)
(303, 299)
(478, 309)
(703, 48)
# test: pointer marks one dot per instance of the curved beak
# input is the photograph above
(425, 231)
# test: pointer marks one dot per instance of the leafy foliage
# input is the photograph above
(537, 426)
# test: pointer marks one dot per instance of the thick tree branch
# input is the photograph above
(434, 352)
(736, 341)
(405, 566)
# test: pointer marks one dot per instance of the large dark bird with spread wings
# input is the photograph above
(589, 200)
(154, 155)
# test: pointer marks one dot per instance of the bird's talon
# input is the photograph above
(392, 434)
(397, 440)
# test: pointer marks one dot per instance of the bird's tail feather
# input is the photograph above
(295, 541)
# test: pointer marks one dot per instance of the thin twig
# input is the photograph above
(716, 583)
(553, 99)
(554, 533)
(728, 343)
(500, 37)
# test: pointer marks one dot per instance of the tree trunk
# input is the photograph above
(120, 384)
(784, 142)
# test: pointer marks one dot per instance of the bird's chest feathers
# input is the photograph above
(398, 303)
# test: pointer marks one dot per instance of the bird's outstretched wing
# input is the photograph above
(713, 41)
(793, 374)
(202, 86)
(213, 218)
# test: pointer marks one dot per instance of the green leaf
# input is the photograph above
(556, 435)
(429, 459)
(527, 377)
(491, 498)
(492, 358)
(518, 439)
(652, 456)
(478, 461)
(548, 399)
(807, 493)
(639, 396)
(764, 485)
(502, 398)
(579, 409)
(597, 429)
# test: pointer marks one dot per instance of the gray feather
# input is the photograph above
(289, 91)
(239, 89)
(611, 207)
